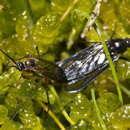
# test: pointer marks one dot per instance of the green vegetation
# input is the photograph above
(24, 106)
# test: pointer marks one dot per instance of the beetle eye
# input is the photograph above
(33, 63)
(20, 66)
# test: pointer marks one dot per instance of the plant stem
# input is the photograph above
(61, 107)
(110, 62)
(68, 10)
(92, 18)
(67, 117)
(97, 110)
(71, 39)
(52, 115)
(125, 90)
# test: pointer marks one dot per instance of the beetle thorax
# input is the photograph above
(30, 63)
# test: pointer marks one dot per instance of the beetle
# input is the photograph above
(90, 62)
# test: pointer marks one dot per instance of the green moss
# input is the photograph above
(121, 117)
(19, 104)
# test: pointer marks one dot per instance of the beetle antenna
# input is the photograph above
(36, 46)
(13, 61)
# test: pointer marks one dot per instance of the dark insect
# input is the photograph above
(36, 69)
(86, 64)
(90, 62)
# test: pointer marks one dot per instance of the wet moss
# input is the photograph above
(19, 106)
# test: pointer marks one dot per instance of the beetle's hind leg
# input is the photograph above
(124, 58)
(47, 94)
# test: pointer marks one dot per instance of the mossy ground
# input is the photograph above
(60, 40)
